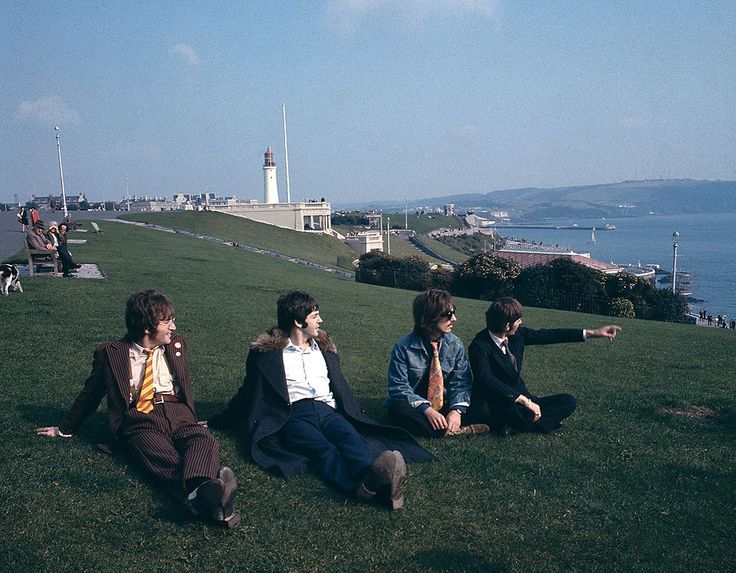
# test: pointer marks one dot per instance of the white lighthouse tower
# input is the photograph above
(270, 187)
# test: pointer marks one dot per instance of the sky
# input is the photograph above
(386, 99)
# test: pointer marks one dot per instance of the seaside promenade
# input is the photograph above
(11, 237)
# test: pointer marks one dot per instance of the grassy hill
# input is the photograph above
(421, 225)
(313, 247)
(639, 479)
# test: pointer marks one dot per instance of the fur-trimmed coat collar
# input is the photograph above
(277, 339)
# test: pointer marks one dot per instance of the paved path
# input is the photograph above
(11, 237)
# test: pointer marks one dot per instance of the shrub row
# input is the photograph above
(562, 284)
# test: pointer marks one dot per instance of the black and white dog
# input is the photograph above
(10, 278)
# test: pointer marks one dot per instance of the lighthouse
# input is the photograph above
(270, 187)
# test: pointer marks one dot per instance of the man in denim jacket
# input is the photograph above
(409, 376)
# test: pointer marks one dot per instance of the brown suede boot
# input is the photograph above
(387, 472)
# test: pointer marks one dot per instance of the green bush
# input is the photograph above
(486, 276)
(621, 307)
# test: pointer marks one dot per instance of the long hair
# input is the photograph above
(144, 310)
(428, 309)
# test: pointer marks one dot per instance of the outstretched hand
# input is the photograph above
(49, 432)
(609, 332)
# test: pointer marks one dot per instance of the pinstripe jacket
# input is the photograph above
(111, 376)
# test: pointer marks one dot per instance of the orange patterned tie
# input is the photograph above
(435, 389)
(145, 396)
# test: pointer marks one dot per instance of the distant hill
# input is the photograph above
(625, 199)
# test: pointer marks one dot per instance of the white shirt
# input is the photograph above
(306, 374)
(163, 381)
(499, 341)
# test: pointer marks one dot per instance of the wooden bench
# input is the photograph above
(95, 227)
(41, 259)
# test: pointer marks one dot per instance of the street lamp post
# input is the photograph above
(61, 171)
(388, 234)
(675, 242)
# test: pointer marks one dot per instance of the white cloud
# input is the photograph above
(187, 53)
(346, 16)
(46, 110)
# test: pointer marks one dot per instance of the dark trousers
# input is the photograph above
(336, 450)
(170, 445)
(412, 420)
(554, 409)
(67, 263)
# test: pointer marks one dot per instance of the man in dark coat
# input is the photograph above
(295, 408)
(499, 396)
(151, 410)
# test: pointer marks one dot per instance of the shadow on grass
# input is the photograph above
(95, 429)
(437, 560)
(95, 432)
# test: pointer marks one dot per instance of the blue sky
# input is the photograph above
(385, 99)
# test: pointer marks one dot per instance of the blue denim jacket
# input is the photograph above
(410, 361)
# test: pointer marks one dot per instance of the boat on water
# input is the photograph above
(592, 237)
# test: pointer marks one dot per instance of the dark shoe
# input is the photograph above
(77, 266)
(469, 430)
(387, 472)
(206, 497)
(68, 276)
(225, 511)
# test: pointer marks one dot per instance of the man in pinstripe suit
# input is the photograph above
(151, 410)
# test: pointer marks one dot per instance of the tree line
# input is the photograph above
(562, 284)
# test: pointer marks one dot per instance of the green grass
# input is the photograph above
(313, 247)
(623, 487)
(422, 224)
(443, 250)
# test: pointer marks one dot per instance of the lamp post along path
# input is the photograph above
(61, 172)
(675, 244)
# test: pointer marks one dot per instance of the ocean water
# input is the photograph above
(707, 249)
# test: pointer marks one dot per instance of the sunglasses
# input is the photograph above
(449, 314)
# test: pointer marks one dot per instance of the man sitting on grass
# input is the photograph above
(151, 410)
(295, 407)
(428, 375)
(500, 397)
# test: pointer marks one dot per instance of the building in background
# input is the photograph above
(307, 215)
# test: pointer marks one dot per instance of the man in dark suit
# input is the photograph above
(295, 408)
(499, 396)
(151, 410)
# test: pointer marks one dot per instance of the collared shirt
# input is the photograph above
(499, 341)
(306, 374)
(163, 381)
